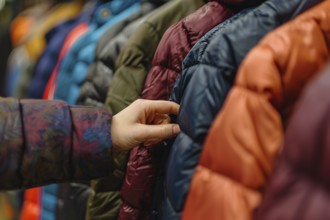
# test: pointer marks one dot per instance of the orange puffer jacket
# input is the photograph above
(245, 139)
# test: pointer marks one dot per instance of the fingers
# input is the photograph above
(161, 119)
(163, 107)
(159, 132)
(131, 126)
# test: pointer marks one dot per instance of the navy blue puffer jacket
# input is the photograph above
(208, 73)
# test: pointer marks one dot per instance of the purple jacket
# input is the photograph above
(43, 142)
(299, 186)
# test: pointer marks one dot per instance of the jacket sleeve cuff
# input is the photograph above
(92, 143)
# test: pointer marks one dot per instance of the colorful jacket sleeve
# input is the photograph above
(43, 142)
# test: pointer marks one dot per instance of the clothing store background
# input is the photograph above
(250, 77)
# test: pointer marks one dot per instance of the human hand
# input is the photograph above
(144, 121)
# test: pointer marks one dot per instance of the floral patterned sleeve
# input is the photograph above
(43, 142)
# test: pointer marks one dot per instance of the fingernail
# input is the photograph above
(176, 129)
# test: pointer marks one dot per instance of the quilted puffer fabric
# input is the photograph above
(47, 61)
(52, 204)
(104, 200)
(208, 73)
(245, 138)
(298, 189)
(24, 56)
(159, 185)
(74, 66)
(134, 61)
(36, 42)
(70, 39)
(47, 141)
(94, 90)
(166, 66)
(132, 66)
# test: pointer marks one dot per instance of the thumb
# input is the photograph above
(160, 132)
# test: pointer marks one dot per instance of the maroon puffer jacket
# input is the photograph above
(175, 44)
(299, 188)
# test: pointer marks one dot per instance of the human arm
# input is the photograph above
(43, 142)
(48, 141)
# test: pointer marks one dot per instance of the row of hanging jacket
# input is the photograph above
(237, 69)
(10, 33)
